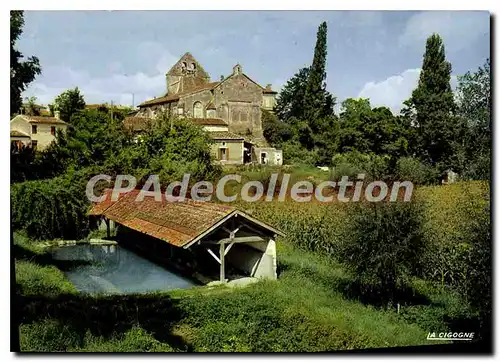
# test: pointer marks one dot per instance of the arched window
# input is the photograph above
(198, 110)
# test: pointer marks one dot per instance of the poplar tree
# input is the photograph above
(432, 108)
(318, 101)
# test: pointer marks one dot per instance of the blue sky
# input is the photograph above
(371, 54)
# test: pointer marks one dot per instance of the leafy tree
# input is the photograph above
(169, 148)
(22, 163)
(275, 131)
(31, 108)
(384, 247)
(290, 102)
(319, 102)
(474, 105)
(93, 138)
(431, 108)
(68, 103)
(22, 73)
(353, 117)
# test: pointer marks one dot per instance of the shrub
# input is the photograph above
(411, 169)
(383, 246)
(294, 153)
(50, 209)
(351, 164)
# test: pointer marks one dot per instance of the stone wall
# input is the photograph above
(235, 149)
(238, 102)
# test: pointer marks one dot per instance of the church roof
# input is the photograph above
(208, 121)
(176, 97)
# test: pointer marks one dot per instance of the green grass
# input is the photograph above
(302, 311)
(309, 308)
(34, 279)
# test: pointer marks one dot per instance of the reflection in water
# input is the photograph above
(113, 269)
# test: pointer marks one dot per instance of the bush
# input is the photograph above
(383, 246)
(50, 209)
(295, 154)
(351, 164)
(411, 169)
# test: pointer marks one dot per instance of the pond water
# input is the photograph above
(112, 269)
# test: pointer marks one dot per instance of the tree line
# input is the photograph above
(437, 128)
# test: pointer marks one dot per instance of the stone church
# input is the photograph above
(229, 109)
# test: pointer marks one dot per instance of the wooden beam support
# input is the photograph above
(222, 266)
(108, 227)
(227, 249)
(252, 229)
(213, 254)
(239, 239)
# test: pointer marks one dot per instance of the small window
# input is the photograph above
(34, 129)
(34, 144)
(53, 130)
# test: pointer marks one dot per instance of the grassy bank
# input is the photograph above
(315, 305)
(305, 310)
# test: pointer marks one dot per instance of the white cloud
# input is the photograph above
(459, 29)
(393, 91)
(115, 87)
(118, 86)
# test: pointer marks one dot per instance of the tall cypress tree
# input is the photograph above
(318, 102)
(432, 107)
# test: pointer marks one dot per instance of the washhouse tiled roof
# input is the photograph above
(178, 223)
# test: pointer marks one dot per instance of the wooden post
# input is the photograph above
(108, 228)
(221, 256)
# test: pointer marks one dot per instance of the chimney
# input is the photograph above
(268, 86)
(221, 78)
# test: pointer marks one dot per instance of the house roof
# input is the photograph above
(178, 223)
(208, 121)
(175, 97)
(136, 123)
(224, 135)
(41, 119)
(269, 91)
(15, 133)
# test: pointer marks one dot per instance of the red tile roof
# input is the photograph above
(41, 119)
(175, 97)
(224, 135)
(15, 133)
(177, 223)
(208, 121)
(137, 123)
(269, 91)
